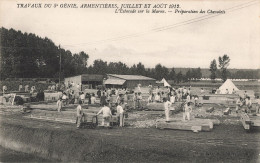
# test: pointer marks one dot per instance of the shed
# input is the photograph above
(86, 80)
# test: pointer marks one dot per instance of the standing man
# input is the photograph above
(107, 115)
(248, 104)
(187, 111)
(103, 99)
(150, 88)
(79, 114)
(134, 100)
(257, 105)
(59, 104)
(82, 97)
(239, 104)
(167, 105)
(20, 87)
(120, 114)
(4, 89)
(139, 99)
(26, 88)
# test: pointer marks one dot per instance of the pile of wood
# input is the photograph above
(194, 125)
(249, 121)
(67, 116)
(227, 111)
(210, 110)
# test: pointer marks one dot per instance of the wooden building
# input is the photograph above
(85, 80)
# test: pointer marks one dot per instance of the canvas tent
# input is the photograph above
(228, 85)
(165, 83)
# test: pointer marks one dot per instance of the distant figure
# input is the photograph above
(184, 91)
(150, 88)
(248, 104)
(53, 87)
(26, 88)
(151, 98)
(4, 89)
(157, 97)
(139, 88)
(109, 92)
(32, 89)
(20, 87)
(196, 101)
(257, 105)
(116, 92)
(227, 92)
(233, 91)
(202, 90)
(239, 104)
(59, 104)
(110, 100)
(126, 97)
(134, 100)
(187, 111)
(167, 105)
(245, 95)
(99, 93)
(120, 114)
(172, 99)
(107, 115)
(157, 90)
(139, 99)
(103, 99)
(79, 115)
(82, 97)
(93, 99)
(119, 98)
(189, 91)
(188, 98)
(64, 98)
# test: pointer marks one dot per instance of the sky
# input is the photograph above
(192, 40)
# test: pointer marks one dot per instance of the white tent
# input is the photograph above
(165, 83)
(228, 85)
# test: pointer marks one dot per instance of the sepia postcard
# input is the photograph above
(130, 81)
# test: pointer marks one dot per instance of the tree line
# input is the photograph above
(26, 55)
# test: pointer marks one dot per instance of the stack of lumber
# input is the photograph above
(210, 110)
(249, 121)
(66, 116)
(194, 125)
(227, 111)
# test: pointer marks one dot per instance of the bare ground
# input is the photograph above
(228, 142)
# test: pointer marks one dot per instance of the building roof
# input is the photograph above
(115, 81)
(131, 77)
(92, 77)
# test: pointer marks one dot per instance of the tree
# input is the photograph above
(199, 74)
(172, 75)
(188, 75)
(140, 69)
(179, 77)
(213, 69)
(161, 72)
(223, 64)
(99, 67)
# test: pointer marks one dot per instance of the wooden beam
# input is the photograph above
(210, 110)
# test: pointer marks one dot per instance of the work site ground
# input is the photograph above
(138, 141)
